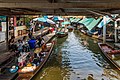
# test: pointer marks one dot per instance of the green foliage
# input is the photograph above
(27, 21)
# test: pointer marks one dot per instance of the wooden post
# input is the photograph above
(104, 29)
(7, 32)
(115, 31)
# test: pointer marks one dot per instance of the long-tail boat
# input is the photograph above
(28, 72)
(111, 54)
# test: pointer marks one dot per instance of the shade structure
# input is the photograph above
(35, 19)
(75, 20)
(42, 19)
(70, 27)
(82, 21)
(58, 18)
(50, 21)
(45, 17)
(50, 16)
(93, 24)
(71, 19)
(86, 21)
(101, 24)
(65, 22)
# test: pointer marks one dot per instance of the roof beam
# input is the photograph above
(89, 1)
(61, 5)
(50, 13)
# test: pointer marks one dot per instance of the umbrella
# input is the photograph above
(57, 18)
(35, 19)
(65, 23)
(50, 21)
(42, 19)
(60, 19)
(50, 16)
(69, 27)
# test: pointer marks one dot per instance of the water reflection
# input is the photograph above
(77, 57)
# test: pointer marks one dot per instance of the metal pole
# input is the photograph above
(7, 32)
(115, 31)
(104, 30)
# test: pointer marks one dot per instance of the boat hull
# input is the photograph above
(107, 53)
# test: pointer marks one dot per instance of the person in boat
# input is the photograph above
(44, 48)
(32, 43)
(25, 44)
(11, 44)
(36, 60)
(43, 41)
(30, 34)
(39, 41)
(20, 46)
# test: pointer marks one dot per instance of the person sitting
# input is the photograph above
(39, 41)
(30, 34)
(44, 48)
(32, 43)
(41, 54)
(36, 60)
(20, 45)
(11, 44)
(25, 44)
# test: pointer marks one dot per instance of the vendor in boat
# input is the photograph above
(11, 44)
(36, 60)
(39, 39)
(44, 48)
(20, 46)
(25, 44)
(30, 34)
(32, 43)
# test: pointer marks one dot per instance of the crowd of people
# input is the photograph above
(27, 44)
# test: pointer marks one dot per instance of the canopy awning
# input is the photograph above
(41, 19)
(93, 24)
(101, 24)
(88, 21)
(75, 20)
(65, 22)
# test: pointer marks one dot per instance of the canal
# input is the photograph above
(77, 57)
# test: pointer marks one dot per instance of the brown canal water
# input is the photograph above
(77, 57)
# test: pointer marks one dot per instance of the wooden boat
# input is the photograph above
(28, 75)
(96, 36)
(100, 38)
(111, 54)
(70, 29)
(61, 34)
(6, 62)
